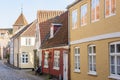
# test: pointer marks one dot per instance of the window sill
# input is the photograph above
(77, 71)
(92, 73)
(114, 77)
(83, 25)
(110, 15)
(45, 66)
(95, 20)
(74, 28)
(56, 68)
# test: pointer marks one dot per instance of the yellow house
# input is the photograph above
(94, 35)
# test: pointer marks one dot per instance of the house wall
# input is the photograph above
(11, 52)
(30, 52)
(51, 70)
(103, 26)
(16, 51)
(82, 36)
(102, 60)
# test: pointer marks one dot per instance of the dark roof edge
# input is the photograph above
(75, 2)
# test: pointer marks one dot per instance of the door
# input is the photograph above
(65, 65)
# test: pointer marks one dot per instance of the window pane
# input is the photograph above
(93, 10)
(112, 69)
(94, 59)
(90, 50)
(84, 14)
(112, 59)
(78, 50)
(94, 67)
(107, 2)
(90, 59)
(113, 6)
(118, 60)
(97, 8)
(118, 48)
(112, 48)
(118, 70)
(94, 49)
(90, 66)
(74, 18)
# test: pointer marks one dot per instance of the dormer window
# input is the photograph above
(54, 27)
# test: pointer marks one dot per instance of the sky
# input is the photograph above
(11, 9)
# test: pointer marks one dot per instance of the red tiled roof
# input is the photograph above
(45, 18)
(61, 37)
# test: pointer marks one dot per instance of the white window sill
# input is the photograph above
(74, 28)
(45, 66)
(92, 73)
(93, 21)
(56, 68)
(83, 25)
(77, 70)
(114, 77)
(110, 15)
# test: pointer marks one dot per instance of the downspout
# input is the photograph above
(69, 46)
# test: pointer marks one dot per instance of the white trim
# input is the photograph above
(76, 70)
(114, 77)
(65, 47)
(56, 24)
(92, 73)
(95, 38)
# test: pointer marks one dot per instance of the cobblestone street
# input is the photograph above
(7, 73)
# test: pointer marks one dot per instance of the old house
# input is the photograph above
(44, 19)
(94, 27)
(22, 43)
(55, 49)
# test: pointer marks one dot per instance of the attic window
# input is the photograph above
(54, 27)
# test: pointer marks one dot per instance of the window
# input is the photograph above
(46, 59)
(115, 59)
(74, 19)
(77, 59)
(24, 57)
(92, 59)
(110, 6)
(56, 64)
(28, 41)
(95, 10)
(84, 15)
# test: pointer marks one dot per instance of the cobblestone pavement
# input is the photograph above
(7, 73)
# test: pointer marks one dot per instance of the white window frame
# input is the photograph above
(56, 60)
(115, 54)
(111, 14)
(46, 56)
(77, 54)
(25, 61)
(82, 13)
(95, 11)
(92, 54)
(74, 17)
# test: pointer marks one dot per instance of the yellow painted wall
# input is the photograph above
(102, 60)
(103, 26)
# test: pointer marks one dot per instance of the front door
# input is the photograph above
(65, 65)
